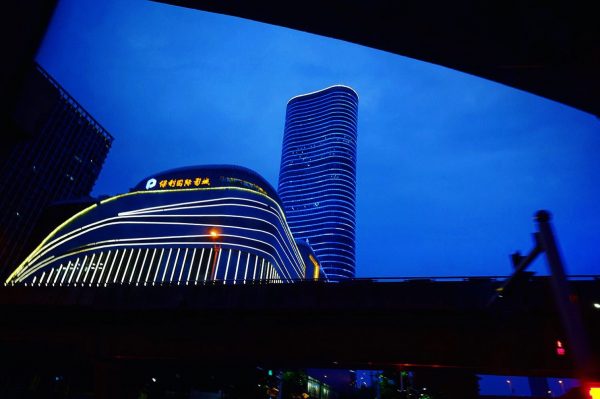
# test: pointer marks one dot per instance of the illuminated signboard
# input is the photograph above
(177, 183)
(195, 182)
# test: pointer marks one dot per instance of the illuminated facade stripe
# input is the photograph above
(199, 267)
(207, 265)
(141, 269)
(182, 266)
(246, 269)
(317, 178)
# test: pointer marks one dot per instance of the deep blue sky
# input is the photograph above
(451, 167)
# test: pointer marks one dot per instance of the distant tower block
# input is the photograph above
(60, 157)
(317, 177)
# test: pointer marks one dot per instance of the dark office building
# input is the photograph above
(59, 156)
(186, 226)
(317, 179)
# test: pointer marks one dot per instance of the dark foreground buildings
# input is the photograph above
(184, 226)
(317, 178)
(60, 157)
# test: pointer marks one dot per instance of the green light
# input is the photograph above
(270, 372)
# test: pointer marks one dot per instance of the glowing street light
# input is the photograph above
(510, 387)
(214, 235)
(562, 386)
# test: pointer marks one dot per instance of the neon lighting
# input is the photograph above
(98, 265)
(594, 392)
(174, 265)
(135, 262)
(119, 240)
(62, 279)
(61, 269)
(227, 267)
(190, 267)
(186, 182)
(81, 267)
(80, 270)
(150, 183)
(162, 252)
(237, 265)
(255, 268)
(262, 269)
(110, 268)
(89, 267)
(246, 269)
(207, 265)
(311, 179)
(141, 267)
(162, 280)
(199, 266)
(119, 266)
(56, 230)
(231, 188)
(42, 278)
(53, 241)
(183, 266)
(50, 276)
(218, 256)
(126, 266)
(73, 271)
(57, 273)
(147, 279)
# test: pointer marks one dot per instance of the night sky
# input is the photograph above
(451, 167)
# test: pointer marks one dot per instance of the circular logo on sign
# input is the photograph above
(150, 184)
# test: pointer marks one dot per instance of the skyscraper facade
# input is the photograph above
(60, 158)
(317, 177)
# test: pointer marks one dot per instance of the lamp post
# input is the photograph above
(562, 386)
(214, 235)
(510, 387)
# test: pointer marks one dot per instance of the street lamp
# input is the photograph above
(562, 386)
(510, 387)
(214, 235)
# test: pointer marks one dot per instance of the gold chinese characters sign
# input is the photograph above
(177, 183)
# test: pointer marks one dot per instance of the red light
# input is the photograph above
(560, 351)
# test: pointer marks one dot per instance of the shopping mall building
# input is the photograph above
(185, 226)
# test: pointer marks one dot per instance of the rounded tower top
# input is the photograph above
(338, 87)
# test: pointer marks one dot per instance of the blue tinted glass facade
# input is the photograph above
(317, 179)
(59, 157)
(210, 224)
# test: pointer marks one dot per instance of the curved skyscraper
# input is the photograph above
(317, 179)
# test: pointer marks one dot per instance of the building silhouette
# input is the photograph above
(317, 177)
(59, 156)
(186, 226)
